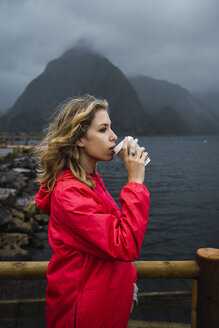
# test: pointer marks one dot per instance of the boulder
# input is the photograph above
(17, 225)
(24, 172)
(11, 246)
(7, 196)
(10, 251)
(37, 242)
(27, 162)
(30, 208)
(20, 239)
(34, 224)
(45, 228)
(42, 218)
(5, 214)
(5, 167)
(21, 202)
(32, 187)
(12, 180)
(18, 214)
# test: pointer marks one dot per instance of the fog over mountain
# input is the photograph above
(173, 108)
(176, 41)
(139, 106)
(211, 101)
(77, 72)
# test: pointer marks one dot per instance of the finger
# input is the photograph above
(125, 146)
(133, 146)
(140, 152)
(144, 157)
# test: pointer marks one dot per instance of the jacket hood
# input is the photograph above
(43, 197)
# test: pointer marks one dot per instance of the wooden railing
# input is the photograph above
(145, 270)
(8, 139)
(204, 272)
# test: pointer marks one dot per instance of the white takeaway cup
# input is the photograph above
(118, 148)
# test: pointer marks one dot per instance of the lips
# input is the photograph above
(112, 148)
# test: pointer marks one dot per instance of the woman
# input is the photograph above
(90, 275)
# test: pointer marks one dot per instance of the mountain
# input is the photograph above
(210, 99)
(138, 106)
(77, 72)
(173, 108)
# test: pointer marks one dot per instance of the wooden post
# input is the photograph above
(194, 304)
(208, 288)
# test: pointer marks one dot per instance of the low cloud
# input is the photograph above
(172, 40)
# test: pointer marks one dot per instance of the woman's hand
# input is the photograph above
(133, 303)
(134, 163)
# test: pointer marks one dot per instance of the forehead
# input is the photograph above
(101, 117)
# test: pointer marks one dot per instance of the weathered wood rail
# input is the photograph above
(204, 299)
(145, 270)
(11, 138)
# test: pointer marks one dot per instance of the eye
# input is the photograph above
(103, 130)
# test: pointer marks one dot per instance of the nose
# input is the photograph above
(113, 136)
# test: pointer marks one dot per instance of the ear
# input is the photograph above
(80, 142)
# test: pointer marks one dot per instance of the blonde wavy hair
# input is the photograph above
(58, 150)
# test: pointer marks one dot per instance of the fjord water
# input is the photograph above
(183, 180)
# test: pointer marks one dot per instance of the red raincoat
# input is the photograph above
(90, 277)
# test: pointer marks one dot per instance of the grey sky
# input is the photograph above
(175, 40)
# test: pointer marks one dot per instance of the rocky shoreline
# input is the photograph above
(21, 221)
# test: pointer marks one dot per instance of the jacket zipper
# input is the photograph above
(76, 312)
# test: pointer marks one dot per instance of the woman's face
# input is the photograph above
(99, 143)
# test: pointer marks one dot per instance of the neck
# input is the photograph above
(88, 165)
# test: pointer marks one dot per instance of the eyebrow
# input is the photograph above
(104, 124)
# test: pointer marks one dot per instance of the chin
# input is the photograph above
(107, 159)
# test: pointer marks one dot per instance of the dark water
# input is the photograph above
(183, 180)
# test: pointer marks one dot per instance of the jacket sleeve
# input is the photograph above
(134, 273)
(85, 225)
